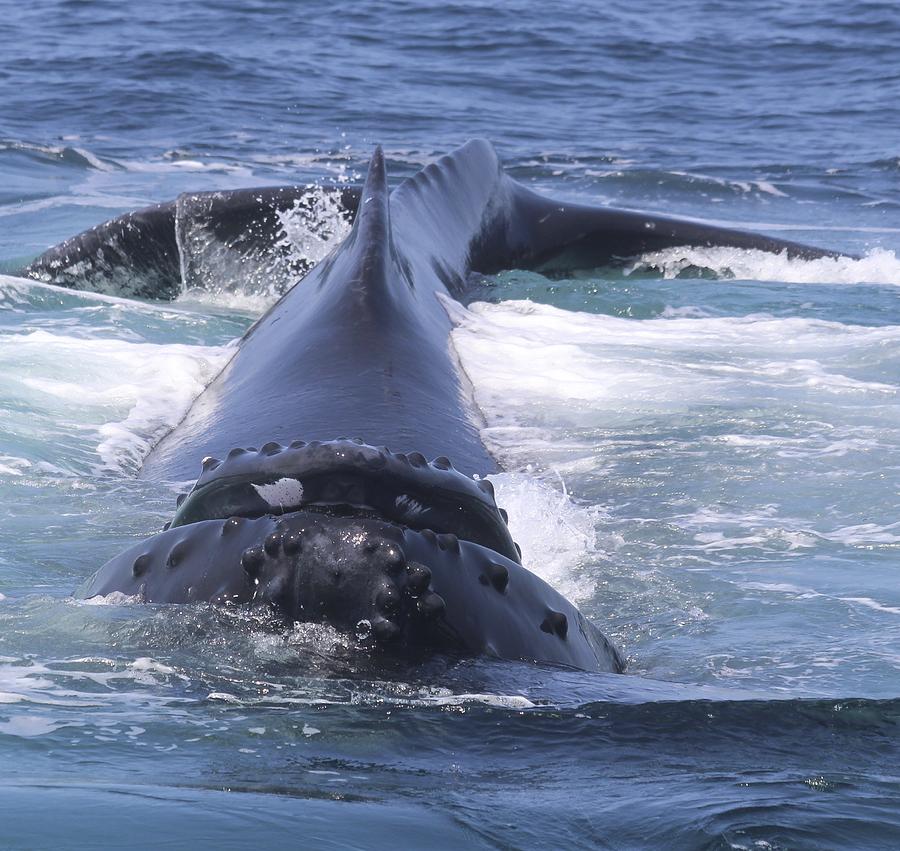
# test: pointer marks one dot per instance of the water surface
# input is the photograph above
(702, 449)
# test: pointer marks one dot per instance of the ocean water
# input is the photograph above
(702, 449)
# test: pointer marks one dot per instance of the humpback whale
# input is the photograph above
(402, 547)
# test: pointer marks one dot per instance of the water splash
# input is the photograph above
(557, 535)
(878, 266)
(313, 227)
(263, 261)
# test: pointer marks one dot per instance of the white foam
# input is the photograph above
(778, 587)
(128, 394)
(145, 664)
(556, 535)
(181, 164)
(50, 684)
(864, 534)
(224, 697)
(165, 380)
(764, 526)
(499, 701)
(878, 266)
(30, 726)
(810, 593)
(308, 639)
(744, 186)
(729, 436)
(869, 603)
(114, 598)
(15, 291)
(11, 465)
(251, 303)
(536, 365)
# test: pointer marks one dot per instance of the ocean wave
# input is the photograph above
(67, 155)
(123, 396)
(534, 362)
(877, 266)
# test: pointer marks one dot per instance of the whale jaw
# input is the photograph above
(395, 590)
(404, 555)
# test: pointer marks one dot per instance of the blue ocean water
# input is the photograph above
(702, 450)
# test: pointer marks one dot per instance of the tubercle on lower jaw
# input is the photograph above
(401, 590)
(308, 465)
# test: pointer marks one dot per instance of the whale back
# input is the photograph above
(360, 347)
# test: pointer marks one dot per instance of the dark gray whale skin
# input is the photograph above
(138, 255)
(410, 554)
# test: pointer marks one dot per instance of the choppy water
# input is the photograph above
(703, 449)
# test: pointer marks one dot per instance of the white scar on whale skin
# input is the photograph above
(284, 492)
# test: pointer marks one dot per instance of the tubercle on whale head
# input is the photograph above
(350, 478)
(395, 589)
